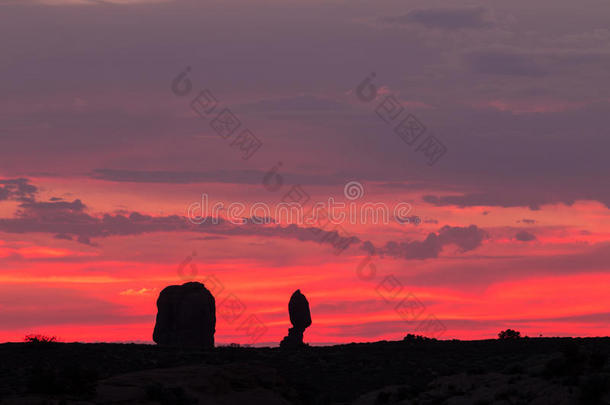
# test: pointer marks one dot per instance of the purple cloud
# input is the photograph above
(17, 189)
(445, 18)
(525, 236)
(465, 238)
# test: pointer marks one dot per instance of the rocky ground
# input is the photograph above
(521, 371)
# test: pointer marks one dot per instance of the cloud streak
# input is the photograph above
(445, 18)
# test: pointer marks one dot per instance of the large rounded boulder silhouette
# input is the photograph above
(186, 316)
(300, 318)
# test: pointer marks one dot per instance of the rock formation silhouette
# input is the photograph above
(300, 318)
(186, 316)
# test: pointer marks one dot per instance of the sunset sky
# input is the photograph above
(102, 153)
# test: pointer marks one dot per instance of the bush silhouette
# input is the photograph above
(509, 334)
(40, 339)
(416, 338)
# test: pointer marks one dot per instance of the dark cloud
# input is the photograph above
(179, 177)
(69, 220)
(17, 189)
(488, 199)
(368, 247)
(527, 196)
(42, 210)
(445, 18)
(413, 220)
(259, 220)
(528, 221)
(525, 236)
(243, 177)
(213, 176)
(465, 238)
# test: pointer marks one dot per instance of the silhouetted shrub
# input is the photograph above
(416, 338)
(509, 334)
(40, 339)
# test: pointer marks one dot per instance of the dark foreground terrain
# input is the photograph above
(521, 371)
